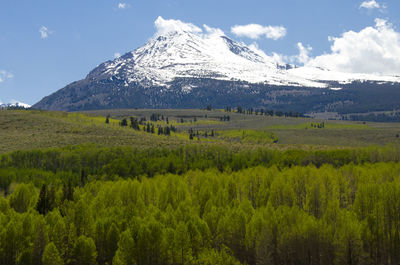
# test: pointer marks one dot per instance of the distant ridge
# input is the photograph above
(14, 104)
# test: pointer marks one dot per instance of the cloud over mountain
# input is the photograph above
(372, 50)
(255, 31)
(165, 26)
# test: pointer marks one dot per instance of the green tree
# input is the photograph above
(112, 239)
(126, 250)
(182, 243)
(46, 200)
(40, 238)
(124, 122)
(212, 256)
(84, 251)
(51, 256)
(23, 197)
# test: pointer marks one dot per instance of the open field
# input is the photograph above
(288, 130)
(29, 129)
(21, 130)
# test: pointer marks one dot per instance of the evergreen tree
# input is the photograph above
(68, 191)
(83, 177)
(124, 122)
(46, 200)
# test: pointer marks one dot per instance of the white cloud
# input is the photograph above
(165, 26)
(370, 4)
(4, 75)
(117, 55)
(45, 32)
(255, 31)
(303, 57)
(123, 5)
(304, 53)
(213, 31)
(372, 50)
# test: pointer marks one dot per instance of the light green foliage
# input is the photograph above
(51, 256)
(258, 207)
(211, 257)
(126, 250)
(84, 251)
(23, 197)
(322, 125)
(248, 136)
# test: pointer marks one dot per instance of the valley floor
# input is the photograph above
(196, 187)
(27, 129)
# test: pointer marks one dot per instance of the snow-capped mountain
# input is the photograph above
(186, 67)
(14, 104)
(189, 55)
(185, 54)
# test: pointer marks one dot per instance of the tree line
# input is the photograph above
(261, 111)
(148, 127)
(259, 215)
(133, 162)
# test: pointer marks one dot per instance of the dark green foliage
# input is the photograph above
(68, 191)
(84, 252)
(134, 123)
(124, 122)
(46, 200)
(68, 163)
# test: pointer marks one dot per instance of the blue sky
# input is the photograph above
(47, 44)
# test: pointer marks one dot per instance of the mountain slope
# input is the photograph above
(187, 55)
(185, 68)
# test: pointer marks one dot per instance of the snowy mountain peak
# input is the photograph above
(177, 51)
(14, 104)
(183, 50)
(183, 65)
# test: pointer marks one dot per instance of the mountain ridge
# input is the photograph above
(180, 64)
(14, 104)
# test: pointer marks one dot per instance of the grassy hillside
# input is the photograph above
(20, 130)
(28, 129)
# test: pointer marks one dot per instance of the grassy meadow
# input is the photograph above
(29, 129)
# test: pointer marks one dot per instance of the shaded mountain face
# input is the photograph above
(182, 69)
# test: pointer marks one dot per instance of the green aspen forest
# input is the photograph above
(113, 187)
